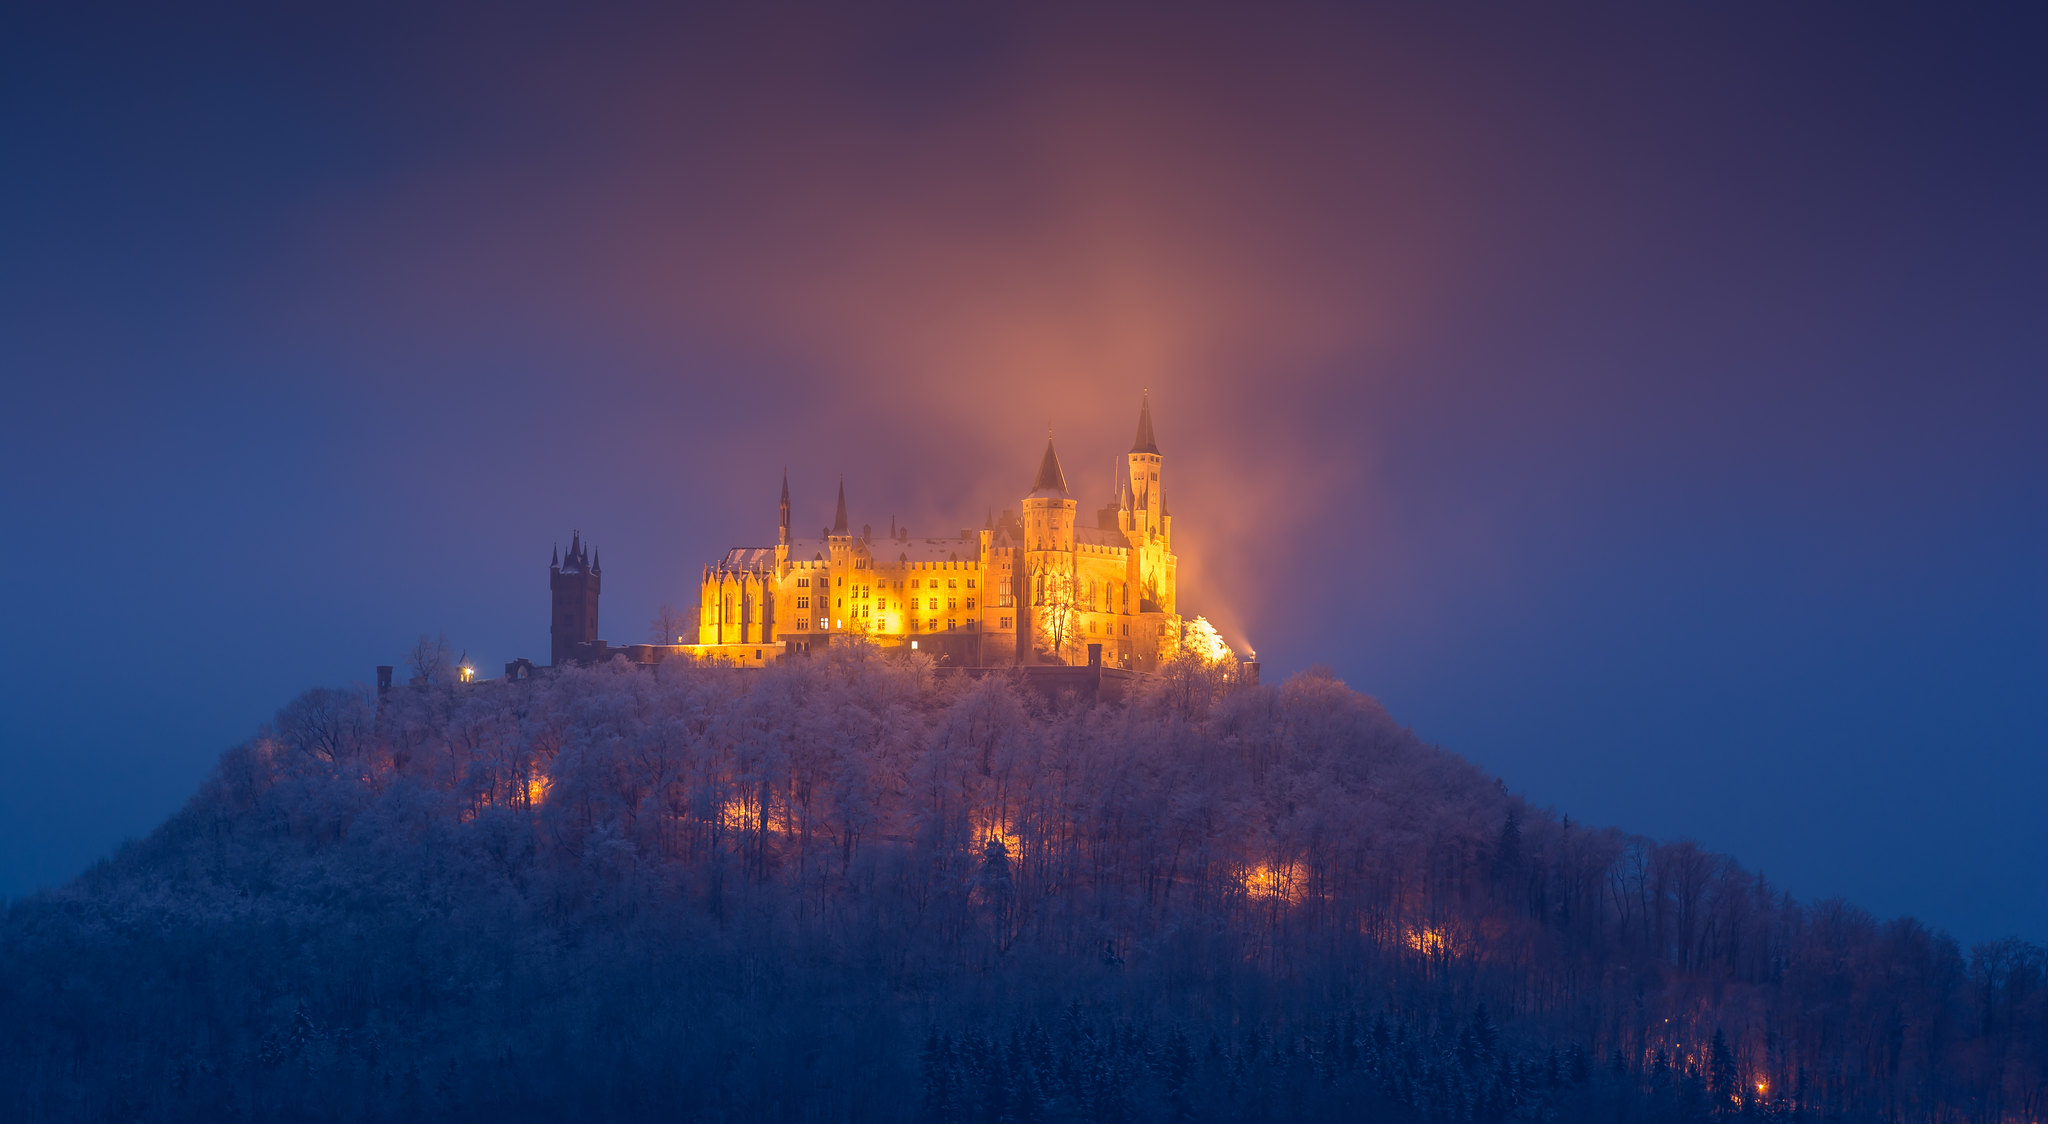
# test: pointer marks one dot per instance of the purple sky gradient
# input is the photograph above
(1646, 404)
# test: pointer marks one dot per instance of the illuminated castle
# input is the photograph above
(1033, 586)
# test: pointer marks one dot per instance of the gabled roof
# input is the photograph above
(1051, 481)
(1144, 442)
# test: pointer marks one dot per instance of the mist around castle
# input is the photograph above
(1159, 563)
(974, 828)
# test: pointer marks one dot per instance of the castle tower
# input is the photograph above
(1047, 604)
(1149, 527)
(1147, 497)
(575, 580)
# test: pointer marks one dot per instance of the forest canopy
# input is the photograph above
(854, 887)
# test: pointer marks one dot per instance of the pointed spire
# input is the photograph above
(596, 567)
(1050, 478)
(555, 557)
(783, 521)
(839, 513)
(1144, 442)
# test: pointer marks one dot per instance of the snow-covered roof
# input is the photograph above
(1098, 536)
(926, 550)
(885, 551)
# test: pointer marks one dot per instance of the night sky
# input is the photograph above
(1647, 403)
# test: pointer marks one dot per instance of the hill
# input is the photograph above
(850, 888)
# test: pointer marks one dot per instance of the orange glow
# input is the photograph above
(1268, 883)
(537, 789)
(1202, 639)
(1430, 941)
(986, 830)
(739, 815)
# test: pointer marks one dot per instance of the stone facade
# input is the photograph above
(1037, 585)
(574, 582)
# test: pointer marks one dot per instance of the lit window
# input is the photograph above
(821, 623)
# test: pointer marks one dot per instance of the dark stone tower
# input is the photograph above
(574, 580)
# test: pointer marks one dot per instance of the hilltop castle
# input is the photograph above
(1035, 585)
(1082, 608)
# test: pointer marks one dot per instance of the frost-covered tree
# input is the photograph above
(852, 887)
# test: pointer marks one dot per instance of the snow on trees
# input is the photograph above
(691, 886)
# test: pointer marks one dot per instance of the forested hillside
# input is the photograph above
(849, 888)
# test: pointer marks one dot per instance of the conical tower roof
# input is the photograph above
(839, 514)
(1144, 442)
(1051, 481)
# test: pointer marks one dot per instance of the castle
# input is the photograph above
(1082, 608)
(1035, 585)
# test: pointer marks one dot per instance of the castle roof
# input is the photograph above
(839, 516)
(1051, 481)
(884, 551)
(1144, 442)
(577, 560)
(748, 558)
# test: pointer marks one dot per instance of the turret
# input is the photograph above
(1045, 620)
(574, 581)
(1148, 499)
(1049, 509)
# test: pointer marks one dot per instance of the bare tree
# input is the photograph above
(670, 625)
(430, 661)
